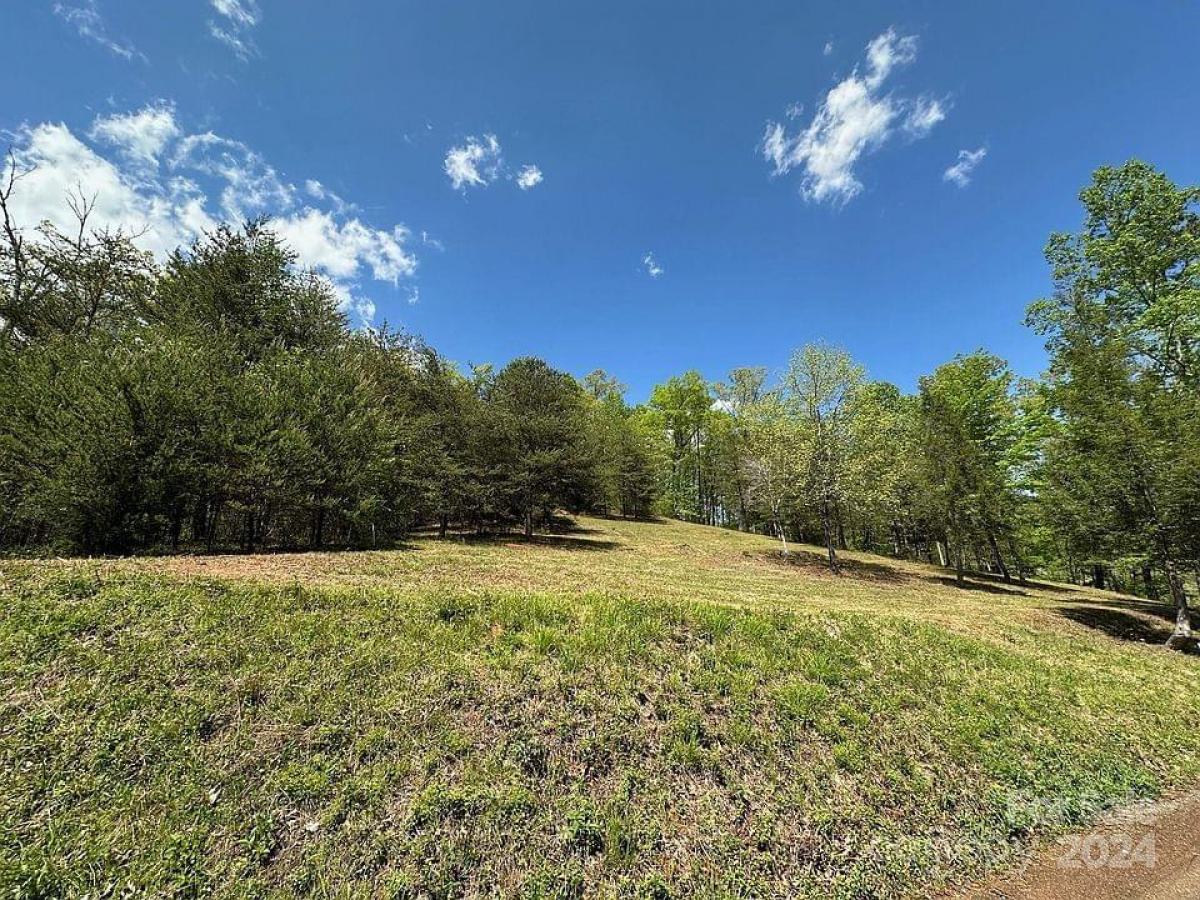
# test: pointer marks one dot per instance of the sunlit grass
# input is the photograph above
(647, 709)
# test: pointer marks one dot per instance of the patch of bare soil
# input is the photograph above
(1147, 851)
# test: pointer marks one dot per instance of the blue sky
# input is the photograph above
(719, 182)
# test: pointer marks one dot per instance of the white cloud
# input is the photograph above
(140, 136)
(887, 51)
(477, 163)
(365, 308)
(651, 264)
(960, 173)
(318, 191)
(855, 118)
(243, 47)
(168, 188)
(342, 249)
(529, 177)
(87, 20)
(250, 186)
(923, 115)
(59, 165)
(239, 17)
(827, 49)
(241, 12)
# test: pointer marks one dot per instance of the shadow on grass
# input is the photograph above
(1143, 626)
(1050, 588)
(1163, 611)
(557, 541)
(647, 520)
(816, 563)
(976, 583)
(199, 550)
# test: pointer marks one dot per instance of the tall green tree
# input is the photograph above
(1123, 331)
(821, 385)
(968, 428)
(541, 420)
(738, 398)
(685, 405)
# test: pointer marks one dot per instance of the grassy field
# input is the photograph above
(630, 709)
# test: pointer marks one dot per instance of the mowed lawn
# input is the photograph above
(629, 709)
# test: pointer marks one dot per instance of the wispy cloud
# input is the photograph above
(476, 163)
(924, 114)
(170, 187)
(856, 117)
(243, 13)
(651, 265)
(85, 17)
(968, 160)
(529, 177)
(140, 135)
(319, 191)
(238, 18)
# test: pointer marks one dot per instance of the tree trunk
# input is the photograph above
(998, 558)
(319, 528)
(528, 523)
(443, 525)
(779, 528)
(1016, 555)
(1148, 580)
(958, 562)
(213, 518)
(827, 524)
(1182, 638)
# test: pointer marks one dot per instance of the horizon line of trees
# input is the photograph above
(221, 400)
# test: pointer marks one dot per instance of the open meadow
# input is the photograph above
(624, 709)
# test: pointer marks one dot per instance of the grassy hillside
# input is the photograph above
(632, 709)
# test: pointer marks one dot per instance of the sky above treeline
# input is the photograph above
(646, 187)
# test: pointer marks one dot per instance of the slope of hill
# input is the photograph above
(650, 709)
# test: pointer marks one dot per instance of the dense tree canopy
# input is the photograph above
(220, 399)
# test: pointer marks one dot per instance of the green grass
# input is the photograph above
(672, 712)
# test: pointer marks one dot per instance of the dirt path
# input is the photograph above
(1144, 852)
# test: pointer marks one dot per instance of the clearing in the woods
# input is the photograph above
(633, 709)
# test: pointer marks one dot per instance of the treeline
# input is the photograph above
(1090, 474)
(221, 400)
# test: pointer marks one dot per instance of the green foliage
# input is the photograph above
(224, 401)
(969, 427)
(538, 416)
(1122, 462)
